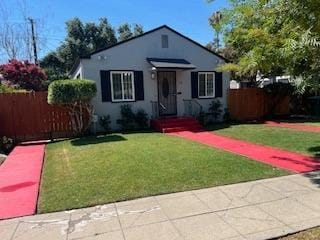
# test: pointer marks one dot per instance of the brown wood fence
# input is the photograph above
(28, 116)
(254, 104)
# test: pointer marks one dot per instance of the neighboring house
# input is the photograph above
(235, 84)
(260, 82)
(278, 79)
(160, 71)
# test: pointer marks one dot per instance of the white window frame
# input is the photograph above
(205, 86)
(122, 86)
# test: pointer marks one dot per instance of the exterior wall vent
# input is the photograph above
(164, 41)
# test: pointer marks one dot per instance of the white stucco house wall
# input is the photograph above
(160, 71)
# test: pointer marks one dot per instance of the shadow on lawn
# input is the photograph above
(218, 126)
(315, 151)
(296, 120)
(314, 177)
(97, 140)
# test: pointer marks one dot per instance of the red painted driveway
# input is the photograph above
(294, 162)
(19, 181)
(296, 126)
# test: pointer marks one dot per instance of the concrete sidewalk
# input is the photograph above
(254, 210)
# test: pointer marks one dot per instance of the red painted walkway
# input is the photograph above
(296, 126)
(19, 181)
(278, 158)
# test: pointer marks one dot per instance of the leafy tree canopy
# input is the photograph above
(81, 40)
(274, 37)
(125, 31)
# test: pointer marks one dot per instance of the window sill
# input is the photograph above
(122, 101)
(208, 97)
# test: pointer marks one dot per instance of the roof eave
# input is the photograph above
(156, 29)
(76, 64)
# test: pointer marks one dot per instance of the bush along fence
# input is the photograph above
(255, 103)
(26, 116)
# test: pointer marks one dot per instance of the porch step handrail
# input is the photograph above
(192, 107)
(162, 106)
(155, 110)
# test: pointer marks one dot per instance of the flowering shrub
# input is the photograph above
(23, 74)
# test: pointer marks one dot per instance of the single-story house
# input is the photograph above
(161, 71)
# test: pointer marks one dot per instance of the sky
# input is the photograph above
(190, 17)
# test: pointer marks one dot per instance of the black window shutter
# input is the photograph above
(218, 84)
(194, 84)
(138, 85)
(105, 86)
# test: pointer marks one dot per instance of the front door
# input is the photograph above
(167, 93)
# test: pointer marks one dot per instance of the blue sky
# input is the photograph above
(190, 17)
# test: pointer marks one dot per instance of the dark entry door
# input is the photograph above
(167, 93)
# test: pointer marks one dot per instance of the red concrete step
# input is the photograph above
(168, 125)
(181, 129)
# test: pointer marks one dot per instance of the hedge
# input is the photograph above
(71, 91)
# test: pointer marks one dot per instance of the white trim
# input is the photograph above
(78, 73)
(205, 84)
(122, 86)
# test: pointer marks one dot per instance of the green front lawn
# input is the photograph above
(90, 171)
(312, 122)
(288, 139)
(311, 234)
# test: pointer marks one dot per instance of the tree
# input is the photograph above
(15, 31)
(75, 95)
(125, 31)
(24, 74)
(14, 36)
(216, 23)
(54, 66)
(81, 40)
(137, 29)
(274, 37)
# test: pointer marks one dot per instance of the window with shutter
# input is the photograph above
(122, 86)
(206, 81)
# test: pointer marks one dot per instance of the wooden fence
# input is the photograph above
(254, 104)
(28, 116)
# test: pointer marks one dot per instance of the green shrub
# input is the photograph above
(130, 120)
(226, 116)
(141, 119)
(127, 120)
(75, 95)
(5, 89)
(215, 109)
(6, 144)
(71, 91)
(9, 89)
(105, 122)
(201, 117)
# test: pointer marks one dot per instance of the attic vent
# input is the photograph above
(164, 41)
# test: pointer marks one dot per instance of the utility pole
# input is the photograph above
(34, 43)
